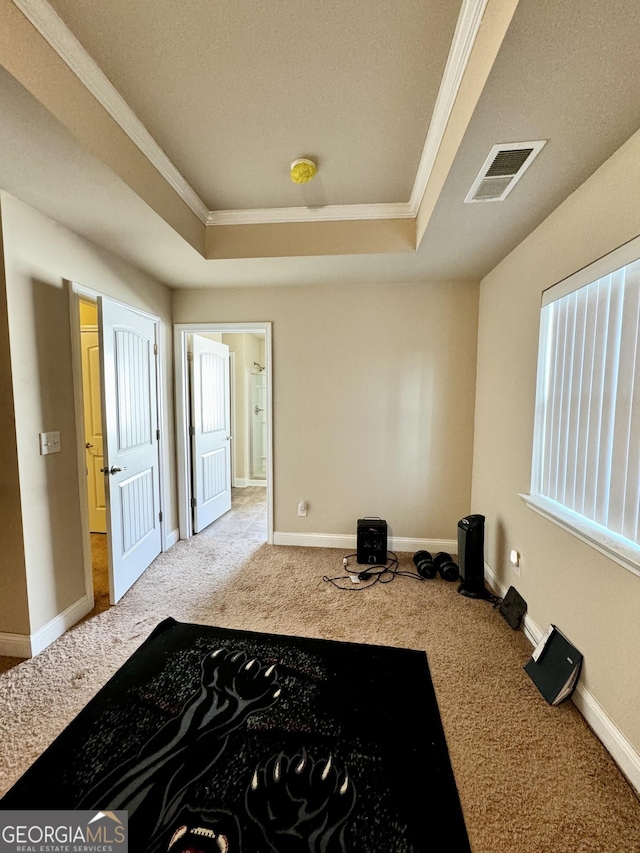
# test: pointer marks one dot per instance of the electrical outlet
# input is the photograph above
(514, 559)
(302, 508)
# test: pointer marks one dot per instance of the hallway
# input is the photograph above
(247, 518)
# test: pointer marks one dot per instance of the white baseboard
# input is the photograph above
(348, 541)
(57, 626)
(262, 483)
(15, 645)
(616, 744)
(403, 543)
(171, 538)
(240, 482)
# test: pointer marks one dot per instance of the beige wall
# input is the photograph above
(14, 610)
(373, 400)
(593, 600)
(39, 256)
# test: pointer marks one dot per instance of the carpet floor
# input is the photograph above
(531, 778)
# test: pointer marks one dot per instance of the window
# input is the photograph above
(586, 450)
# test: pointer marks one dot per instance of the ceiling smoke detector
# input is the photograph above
(302, 171)
(502, 170)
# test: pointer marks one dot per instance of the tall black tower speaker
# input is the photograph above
(471, 556)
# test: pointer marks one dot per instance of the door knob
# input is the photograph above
(113, 470)
(256, 410)
(88, 445)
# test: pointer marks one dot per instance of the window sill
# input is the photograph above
(616, 547)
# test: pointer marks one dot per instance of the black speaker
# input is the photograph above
(371, 541)
(471, 556)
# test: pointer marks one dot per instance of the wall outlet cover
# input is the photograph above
(49, 443)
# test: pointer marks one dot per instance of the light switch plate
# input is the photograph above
(49, 443)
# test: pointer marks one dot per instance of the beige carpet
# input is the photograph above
(532, 779)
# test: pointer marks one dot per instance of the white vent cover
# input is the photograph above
(502, 170)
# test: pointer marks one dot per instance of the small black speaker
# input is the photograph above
(371, 541)
(471, 556)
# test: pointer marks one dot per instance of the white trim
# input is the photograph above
(59, 624)
(240, 483)
(15, 645)
(402, 543)
(531, 630)
(59, 36)
(55, 31)
(616, 744)
(181, 331)
(348, 541)
(172, 538)
(603, 266)
(324, 213)
(90, 295)
(262, 483)
(162, 478)
(463, 40)
(617, 548)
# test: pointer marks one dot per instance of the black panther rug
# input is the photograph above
(223, 741)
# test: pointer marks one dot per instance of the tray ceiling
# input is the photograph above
(182, 119)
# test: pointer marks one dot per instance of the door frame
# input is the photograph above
(95, 330)
(78, 292)
(183, 451)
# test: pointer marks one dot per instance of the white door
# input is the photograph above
(130, 424)
(93, 430)
(210, 431)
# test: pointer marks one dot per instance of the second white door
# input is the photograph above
(130, 428)
(210, 431)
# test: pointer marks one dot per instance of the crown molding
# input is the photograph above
(326, 213)
(52, 28)
(49, 24)
(461, 46)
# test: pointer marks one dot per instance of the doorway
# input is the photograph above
(93, 440)
(256, 424)
(249, 348)
(118, 404)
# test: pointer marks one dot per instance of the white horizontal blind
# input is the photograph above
(587, 430)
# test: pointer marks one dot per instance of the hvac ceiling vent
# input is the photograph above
(502, 170)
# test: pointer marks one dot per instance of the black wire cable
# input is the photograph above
(377, 573)
(383, 574)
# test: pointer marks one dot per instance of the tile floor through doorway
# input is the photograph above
(247, 518)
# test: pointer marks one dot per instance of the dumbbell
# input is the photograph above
(427, 566)
(424, 564)
(447, 569)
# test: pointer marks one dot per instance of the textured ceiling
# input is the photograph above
(567, 73)
(233, 92)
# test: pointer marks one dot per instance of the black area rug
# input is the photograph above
(222, 740)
